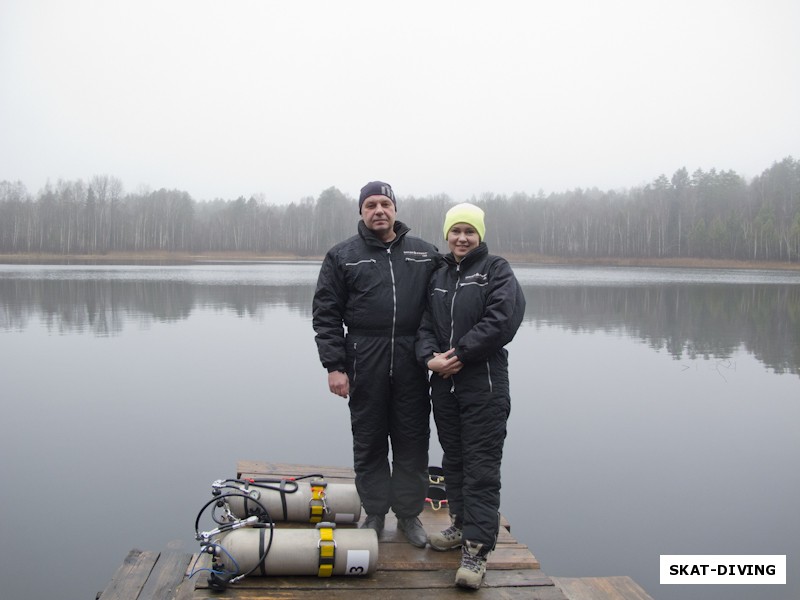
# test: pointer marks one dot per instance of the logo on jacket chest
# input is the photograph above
(475, 278)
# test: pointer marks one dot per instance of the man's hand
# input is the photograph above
(339, 383)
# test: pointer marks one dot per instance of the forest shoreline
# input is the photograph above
(531, 259)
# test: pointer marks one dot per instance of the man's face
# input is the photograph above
(378, 214)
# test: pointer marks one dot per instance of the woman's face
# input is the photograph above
(462, 238)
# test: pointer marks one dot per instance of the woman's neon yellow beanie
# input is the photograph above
(465, 213)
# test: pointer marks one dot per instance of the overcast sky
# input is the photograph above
(285, 99)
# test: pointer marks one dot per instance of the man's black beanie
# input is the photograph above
(376, 188)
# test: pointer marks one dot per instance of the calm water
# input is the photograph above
(653, 412)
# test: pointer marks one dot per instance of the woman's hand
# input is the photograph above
(445, 363)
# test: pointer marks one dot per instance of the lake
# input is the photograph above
(654, 411)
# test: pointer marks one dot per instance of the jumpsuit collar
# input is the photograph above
(472, 256)
(369, 237)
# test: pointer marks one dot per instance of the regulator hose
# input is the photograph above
(282, 485)
(218, 580)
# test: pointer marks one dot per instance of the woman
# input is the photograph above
(475, 307)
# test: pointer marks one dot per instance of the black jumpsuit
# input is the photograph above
(378, 291)
(476, 307)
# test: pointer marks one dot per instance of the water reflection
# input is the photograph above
(681, 313)
(106, 307)
(611, 459)
(686, 320)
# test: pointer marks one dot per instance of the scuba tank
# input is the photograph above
(323, 551)
(295, 500)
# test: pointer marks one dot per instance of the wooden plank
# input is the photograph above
(403, 580)
(186, 590)
(406, 557)
(601, 588)
(516, 578)
(431, 522)
(448, 593)
(416, 566)
(166, 576)
(130, 576)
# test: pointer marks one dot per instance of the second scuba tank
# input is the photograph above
(324, 551)
(309, 501)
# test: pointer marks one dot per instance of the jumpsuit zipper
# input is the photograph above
(355, 361)
(452, 320)
(394, 311)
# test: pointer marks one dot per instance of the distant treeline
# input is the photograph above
(708, 214)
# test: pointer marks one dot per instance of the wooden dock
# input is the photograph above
(403, 570)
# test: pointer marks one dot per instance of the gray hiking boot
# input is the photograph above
(473, 565)
(447, 539)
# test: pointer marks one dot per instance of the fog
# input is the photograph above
(283, 100)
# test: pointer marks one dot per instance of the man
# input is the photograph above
(375, 284)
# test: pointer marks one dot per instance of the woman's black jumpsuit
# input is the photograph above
(476, 307)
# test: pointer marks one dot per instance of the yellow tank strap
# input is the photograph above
(327, 548)
(317, 505)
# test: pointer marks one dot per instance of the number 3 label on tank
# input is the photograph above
(357, 562)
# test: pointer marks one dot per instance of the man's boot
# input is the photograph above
(413, 530)
(374, 522)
